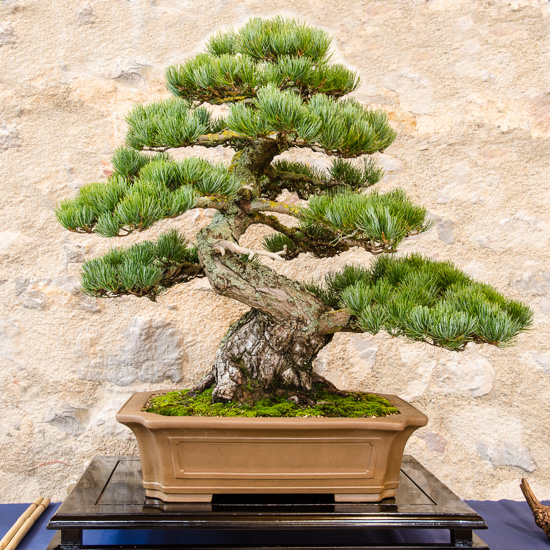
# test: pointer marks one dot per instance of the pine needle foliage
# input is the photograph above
(424, 300)
(343, 128)
(307, 180)
(283, 91)
(270, 39)
(278, 53)
(168, 123)
(143, 269)
(382, 220)
(277, 242)
(143, 191)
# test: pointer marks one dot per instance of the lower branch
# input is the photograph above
(222, 246)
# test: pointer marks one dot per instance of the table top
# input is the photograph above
(421, 500)
(111, 495)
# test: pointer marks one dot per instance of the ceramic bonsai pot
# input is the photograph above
(188, 459)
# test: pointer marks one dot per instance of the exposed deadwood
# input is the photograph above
(541, 512)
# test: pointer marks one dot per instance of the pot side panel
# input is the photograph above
(272, 458)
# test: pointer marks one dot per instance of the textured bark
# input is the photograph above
(259, 357)
(270, 349)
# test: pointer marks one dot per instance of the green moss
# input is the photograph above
(351, 405)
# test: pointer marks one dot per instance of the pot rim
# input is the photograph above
(131, 413)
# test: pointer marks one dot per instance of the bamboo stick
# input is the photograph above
(27, 524)
(15, 527)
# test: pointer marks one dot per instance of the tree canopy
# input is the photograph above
(283, 92)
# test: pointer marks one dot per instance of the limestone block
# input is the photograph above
(414, 89)
(466, 371)
(9, 337)
(74, 252)
(366, 349)
(131, 73)
(12, 242)
(507, 454)
(533, 283)
(461, 185)
(435, 442)
(542, 360)
(86, 15)
(496, 437)
(7, 36)
(41, 293)
(152, 351)
(420, 365)
(444, 228)
(68, 419)
(9, 136)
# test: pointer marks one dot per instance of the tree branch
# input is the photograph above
(274, 174)
(222, 246)
(255, 285)
(225, 138)
(334, 321)
(210, 202)
(262, 205)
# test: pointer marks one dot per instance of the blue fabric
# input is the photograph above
(38, 537)
(511, 527)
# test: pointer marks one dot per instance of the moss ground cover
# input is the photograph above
(323, 404)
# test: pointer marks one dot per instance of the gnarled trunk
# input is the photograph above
(271, 349)
(259, 357)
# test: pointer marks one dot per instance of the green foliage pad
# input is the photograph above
(143, 269)
(424, 300)
(351, 405)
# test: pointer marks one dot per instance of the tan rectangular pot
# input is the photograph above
(190, 458)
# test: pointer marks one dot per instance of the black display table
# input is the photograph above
(110, 496)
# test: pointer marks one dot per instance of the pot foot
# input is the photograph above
(175, 497)
(364, 497)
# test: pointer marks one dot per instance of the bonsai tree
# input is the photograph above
(283, 93)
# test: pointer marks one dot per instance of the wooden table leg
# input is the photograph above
(461, 538)
(71, 539)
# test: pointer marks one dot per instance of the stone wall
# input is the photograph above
(466, 85)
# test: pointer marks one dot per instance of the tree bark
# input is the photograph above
(259, 357)
(271, 348)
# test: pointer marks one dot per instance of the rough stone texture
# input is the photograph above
(151, 352)
(465, 83)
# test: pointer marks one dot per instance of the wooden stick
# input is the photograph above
(9, 535)
(29, 522)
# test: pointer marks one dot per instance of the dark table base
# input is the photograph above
(424, 515)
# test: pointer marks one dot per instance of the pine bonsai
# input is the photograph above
(283, 93)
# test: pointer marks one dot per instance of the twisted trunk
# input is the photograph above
(271, 348)
(259, 357)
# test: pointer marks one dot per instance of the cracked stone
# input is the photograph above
(465, 372)
(9, 137)
(7, 35)
(130, 74)
(70, 420)
(152, 351)
(506, 454)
